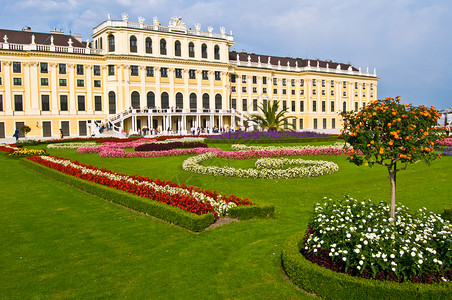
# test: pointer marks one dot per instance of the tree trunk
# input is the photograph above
(392, 175)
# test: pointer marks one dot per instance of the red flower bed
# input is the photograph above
(142, 186)
(7, 149)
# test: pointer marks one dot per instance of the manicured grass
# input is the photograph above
(59, 242)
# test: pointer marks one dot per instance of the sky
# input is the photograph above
(408, 42)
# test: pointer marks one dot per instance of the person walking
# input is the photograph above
(447, 129)
(61, 133)
(16, 134)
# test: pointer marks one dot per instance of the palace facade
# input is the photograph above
(134, 75)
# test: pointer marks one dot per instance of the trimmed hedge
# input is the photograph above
(332, 285)
(271, 141)
(447, 214)
(246, 212)
(159, 210)
(170, 146)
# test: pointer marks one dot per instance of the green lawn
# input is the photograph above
(59, 242)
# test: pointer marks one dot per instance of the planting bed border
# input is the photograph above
(270, 141)
(333, 285)
(153, 208)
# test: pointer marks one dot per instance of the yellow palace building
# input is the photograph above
(134, 75)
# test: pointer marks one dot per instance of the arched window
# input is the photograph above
(218, 101)
(344, 106)
(150, 99)
(133, 44)
(193, 101)
(112, 103)
(191, 49)
(165, 100)
(179, 101)
(111, 43)
(216, 51)
(135, 100)
(204, 50)
(177, 48)
(163, 47)
(205, 101)
(148, 45)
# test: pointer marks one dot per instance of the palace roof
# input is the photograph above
(25, 38)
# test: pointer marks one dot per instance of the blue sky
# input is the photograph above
(409, 42)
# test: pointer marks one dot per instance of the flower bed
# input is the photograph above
(241, 147)
(28, 152)
(71, 145)
(7, 148)
(358, 238)
(161, 146)
(191, 199)
(444, 142)
(265, 168)
(446, 151)
(253, 135)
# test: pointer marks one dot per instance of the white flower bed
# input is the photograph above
(73, 145)
(268, 168)
(220, 207)
(241, 147)
(361, 235)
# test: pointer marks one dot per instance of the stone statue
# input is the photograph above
(33, 39)
(249, 58)
(210, 28)
(222, 30)
(125, 17)
(269, 60)
(70, 42)
(177, 22)
(141, 20)
(259, 59)
(198, 27)
(51, 40)
(5, 39)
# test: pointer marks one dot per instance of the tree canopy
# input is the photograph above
(386, 132)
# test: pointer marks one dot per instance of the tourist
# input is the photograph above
(447, 129)
(61, 133)
(16, 134)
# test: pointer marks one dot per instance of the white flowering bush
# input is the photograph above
(242, 147)
(73, 145)
(358, 238)
(268, 168)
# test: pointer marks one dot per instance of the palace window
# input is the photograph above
(178, 73)
(44, 67)
(333, 123)
(324, 123)
(243, 89)
(301, 106)
(80, 70)
(254, 89)
(284, 81)
(162, 47)
(63, 103)
(302, 82)
(356, 106)
(323, 106)
(18, 103)
(323, 83)
(191, 49)
(315, 123)
(217, 75)
(332, 83)
(148, 45)
(96, 70)
(62, 82)
(97, 83)
(44, 81)
(344, 94)
(323, 92)
(133, 44)
(45, 103)
(243, 78)
(62, 68)
(1, 102)
(216, 51)
(293, 106)
(301, 123)
(284, 91)
(232, 78)
(192, 74)
(371, 86)
(332, 92)
(332, 106)
(149, 71)
(275, 91)
(111, 70)
(177, 48)
(81, 103)
(80, 83)
(314, 105)
(314, 82)
(292, 82)
(134, 70)
(254, 104)
(314, 92)
(111, 43)
(356, 94)
(284, 105)
(264, 90)
(344, 84)
(17, 81)
(275, 81)
(244, 105)
(356, 85)
(302, 92)
(204, 51)
(234, 103)
(254, 79)
(233, 89)
(98, 103)
(17, 68)
(364, 85)
(164, 72)
(205, 75)
(264, 80)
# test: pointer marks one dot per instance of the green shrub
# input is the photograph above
(245, 212)
(447, 214)
(332, 285)
(27, 142)
(159, 210)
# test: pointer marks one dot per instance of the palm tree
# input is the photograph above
(272, 120)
